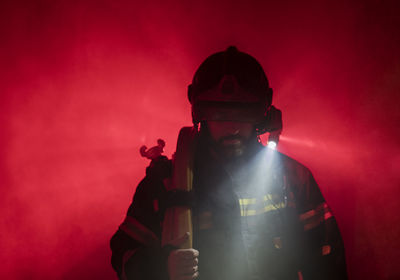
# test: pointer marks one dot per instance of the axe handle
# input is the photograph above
(178, 219)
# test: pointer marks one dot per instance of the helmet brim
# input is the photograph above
(228, 111)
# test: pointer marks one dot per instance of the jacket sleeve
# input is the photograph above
(324, 249)
(136, 246)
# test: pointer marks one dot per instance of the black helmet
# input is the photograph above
(230, 85)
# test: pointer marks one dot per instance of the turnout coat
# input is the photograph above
(260, 218)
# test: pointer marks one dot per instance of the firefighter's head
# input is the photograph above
(230, 97)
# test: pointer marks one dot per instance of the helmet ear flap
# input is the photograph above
(272, 121)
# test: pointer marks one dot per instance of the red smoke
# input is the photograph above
(85, 84)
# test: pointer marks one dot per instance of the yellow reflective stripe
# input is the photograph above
(258, 205)
(246, 212)
(139, 232)
(272, 207)
(265, 209)
(247, 201)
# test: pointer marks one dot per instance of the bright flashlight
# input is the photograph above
(271, 145)
(273, 139)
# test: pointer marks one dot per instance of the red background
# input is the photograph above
(85, 84)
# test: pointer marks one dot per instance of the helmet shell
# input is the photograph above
(230, 85)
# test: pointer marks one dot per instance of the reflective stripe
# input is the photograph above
(316, 211)
(272, 207)
(247, 201)
(327, 215)
(257, 206)
(315, 217)
(138, 232)
(326, 250)
(267, 208)
(245, 212)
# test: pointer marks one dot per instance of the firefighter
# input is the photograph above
(257, 214)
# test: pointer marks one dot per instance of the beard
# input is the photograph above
(231, 146)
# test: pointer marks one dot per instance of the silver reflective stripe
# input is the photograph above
(315, 217)
(139, 232)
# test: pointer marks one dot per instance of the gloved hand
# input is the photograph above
(183, 263)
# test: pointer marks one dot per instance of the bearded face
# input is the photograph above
(230, 137)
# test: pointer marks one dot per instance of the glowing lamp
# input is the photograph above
(271, 145)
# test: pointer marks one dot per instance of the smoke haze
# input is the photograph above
(85, 83)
